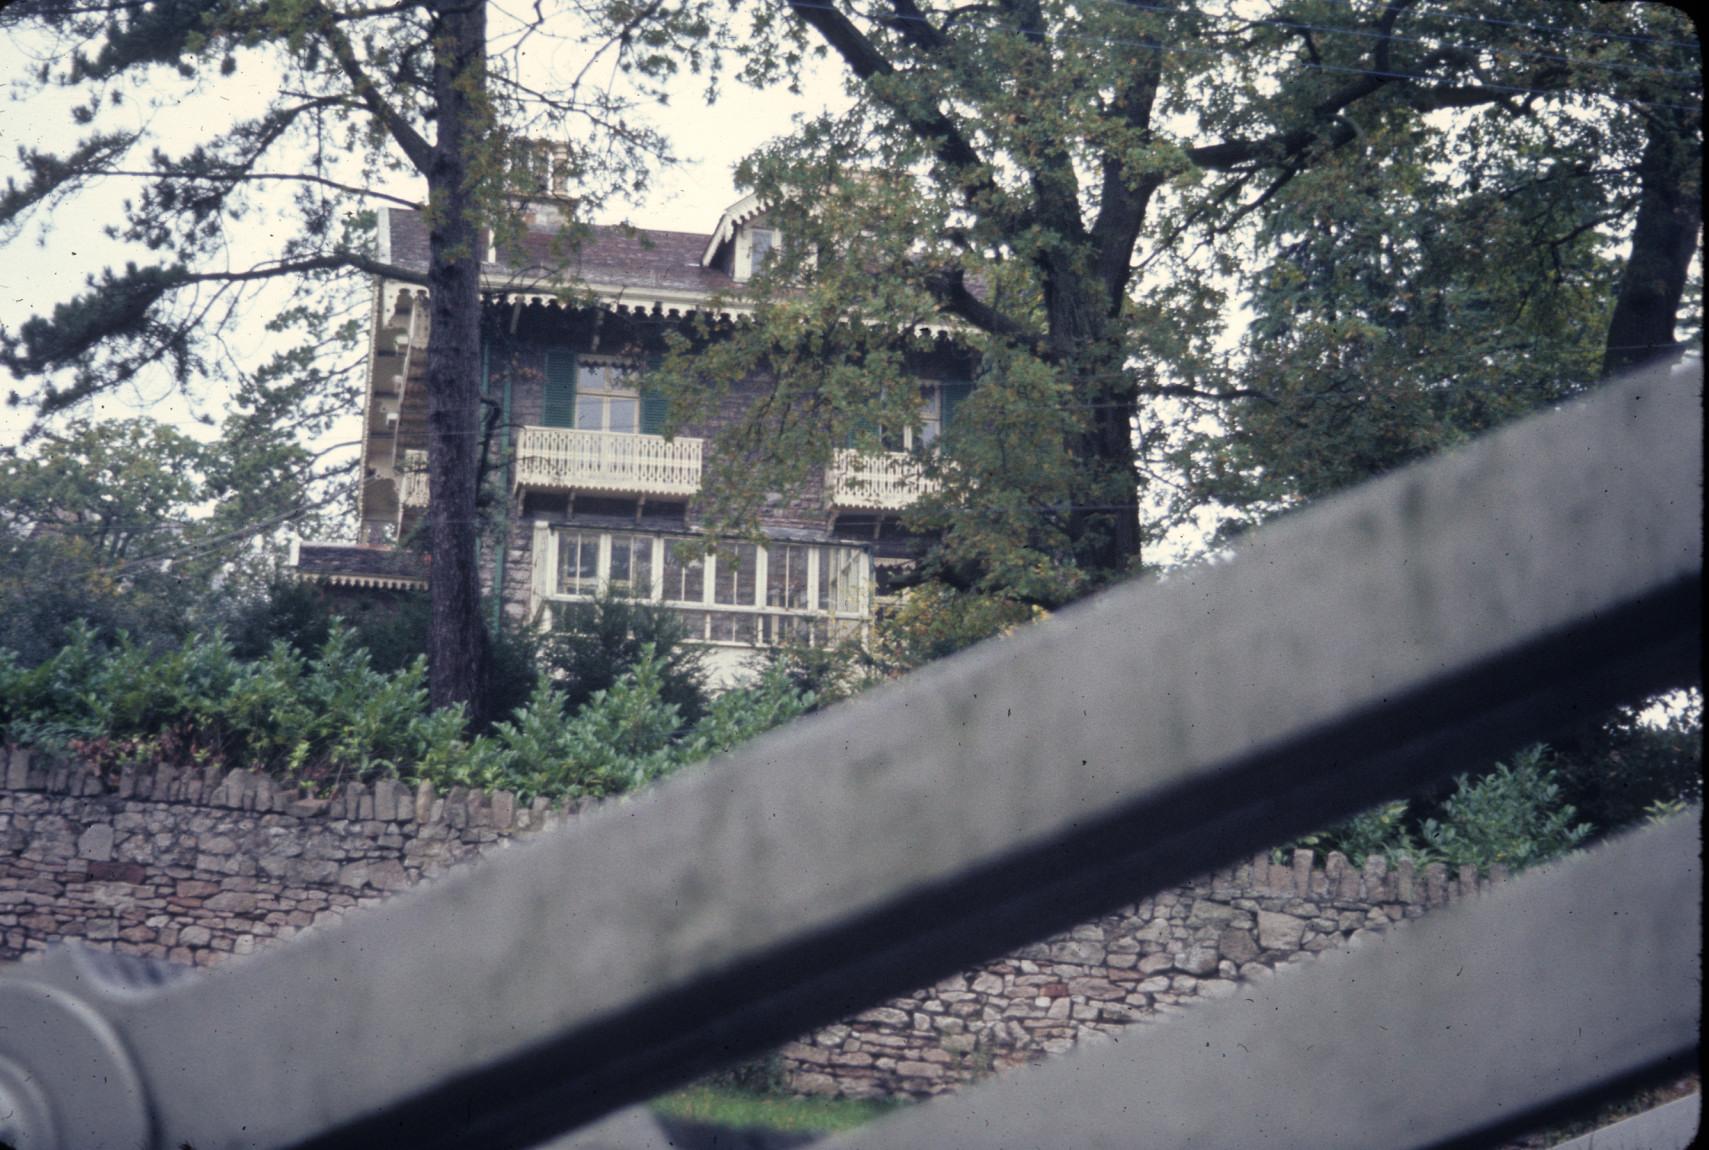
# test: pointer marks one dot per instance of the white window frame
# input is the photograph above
(931, 414)
(838, 623)
(606, 392)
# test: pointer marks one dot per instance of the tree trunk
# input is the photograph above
(1670, 214)
(1104, 520)
(457, 640)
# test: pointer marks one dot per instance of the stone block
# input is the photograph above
(126, 872)
(1080, 951)
(1205, 912)
(232, 902)
(1237, 945)
(387, 792)
(388, 874)
(503, 809)
(96, 843)
(1197, 960)
(920, 1069)
(1279, 931)
(887, 1015)
(17, 768)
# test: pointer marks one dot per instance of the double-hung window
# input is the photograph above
(936, 402)
(604, 399)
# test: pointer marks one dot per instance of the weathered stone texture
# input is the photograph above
(195, 868)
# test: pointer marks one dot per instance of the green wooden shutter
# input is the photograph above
(655, 412)
(655, 406)
(559, 409)
(950, 396)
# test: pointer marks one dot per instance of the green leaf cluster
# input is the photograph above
(1515, 815)
(331, 717)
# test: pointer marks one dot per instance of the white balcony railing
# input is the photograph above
(412, 479)
(569, 459)
(886, 482)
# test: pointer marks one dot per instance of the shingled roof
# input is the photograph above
(608, 256)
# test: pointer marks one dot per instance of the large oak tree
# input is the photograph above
(1080, 192)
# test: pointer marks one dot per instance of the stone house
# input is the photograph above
(596, 497)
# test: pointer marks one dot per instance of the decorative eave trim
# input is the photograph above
(734, 217)
(626, 299)
(366, 582)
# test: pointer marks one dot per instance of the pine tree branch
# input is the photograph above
(414, 145)
(244, 177)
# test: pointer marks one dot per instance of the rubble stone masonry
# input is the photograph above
(193, 867)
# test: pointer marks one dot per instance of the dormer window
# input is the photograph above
(760, 244)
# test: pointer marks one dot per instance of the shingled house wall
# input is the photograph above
(195, 867)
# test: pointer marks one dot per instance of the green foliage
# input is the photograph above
(87, 521)
(1425, 214)
(935, 620)
(754, 1107)
(592, 645)
(390, 625)
(829, 674)
(331, 716)
(1382, 830)
(742, 713)
(1614, 771)
(1513, 816)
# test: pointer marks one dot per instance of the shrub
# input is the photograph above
(592, 645)
(935, 620)
(1513, 816)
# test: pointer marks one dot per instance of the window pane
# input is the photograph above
(786, 576)
(694, 624)
(841, 586)
(735, 579)
(590, 412)
(685, 576)
(620, 554)
(927, 432)
(578, 561)
(733, 627)
(625, 415)
(631, 565)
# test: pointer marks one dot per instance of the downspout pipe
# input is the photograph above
(505, 496)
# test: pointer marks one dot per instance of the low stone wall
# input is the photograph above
(1151, 959)
(195, 866)
(191, 866)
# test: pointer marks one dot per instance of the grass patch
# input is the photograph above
(723, 1106)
